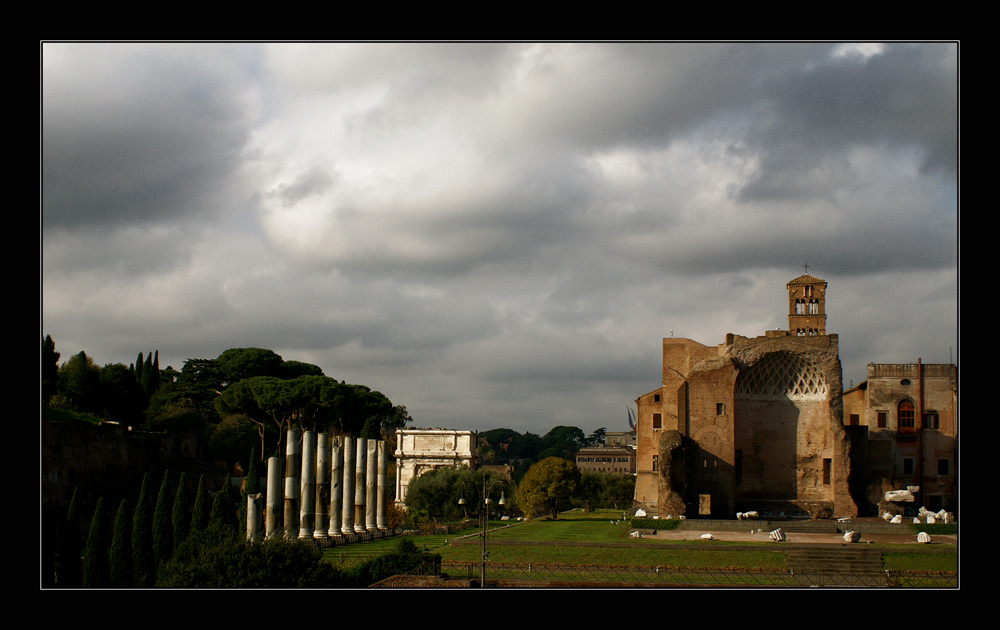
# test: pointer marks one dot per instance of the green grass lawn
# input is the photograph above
(904, 561)
(579, 538)
(596, 538)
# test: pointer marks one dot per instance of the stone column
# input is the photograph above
(307, 495)
(380, 499)
(273, 496)
(399, 467)
(359, 485)
(371, 484)
(292, 457)
(336, 483)
(253, 516)
(322, 485)
(347, 496)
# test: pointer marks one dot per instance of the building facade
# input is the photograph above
(749, 424)
(620, 438)
(903, 424)
(610, 459)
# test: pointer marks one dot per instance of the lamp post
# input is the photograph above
(484, 515)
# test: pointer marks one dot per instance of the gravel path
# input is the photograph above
(794, 537)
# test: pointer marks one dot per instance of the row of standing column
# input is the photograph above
(341, 489)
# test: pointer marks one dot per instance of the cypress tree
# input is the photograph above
(154, 374)
(143, 566)
(121, 550)
(147, 369)
(251, 485)
(200, 512)
(95, 558)
(180, 516)
(163, 531)
(253, 474)
(70, 555)
(223, 509)
(138, 369)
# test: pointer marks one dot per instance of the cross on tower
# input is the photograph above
(806, 267)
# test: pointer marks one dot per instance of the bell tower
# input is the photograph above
(807, 305)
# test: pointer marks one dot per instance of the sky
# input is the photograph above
(496, 234)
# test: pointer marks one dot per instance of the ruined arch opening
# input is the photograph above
(782, 412)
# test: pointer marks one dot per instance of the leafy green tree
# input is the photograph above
(352, 405)
(163, 531)
(397, 419)
(192, 395)
(233, 438)
(372, 429)
(295, 369)
(122, 399)
(527, 446)
(238, 364)
(170, 411)
(50, 369)
(435, 495)
(201, 510)
(597, 437)
(620, 491)
(80, 383)
(95, 558)
(143, 563)
(120, 556)
(180, 515)
(592, 488)
(563, 441)
(547, 485)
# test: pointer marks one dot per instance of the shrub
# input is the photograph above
(405, 559)
(219, 558)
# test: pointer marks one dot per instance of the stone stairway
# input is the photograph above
(836, 565)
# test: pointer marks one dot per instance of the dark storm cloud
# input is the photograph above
(904, 98)
(495, 234)
(139, 133)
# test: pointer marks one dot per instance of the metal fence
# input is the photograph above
(693, 576)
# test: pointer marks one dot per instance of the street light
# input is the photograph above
(484, 515)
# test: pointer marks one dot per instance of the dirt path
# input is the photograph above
(794, 537)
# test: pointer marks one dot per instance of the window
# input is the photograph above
(656, 463)
(931, 420)
(944, 467)
(906, 415)
(720, 409)
(881, 419)
(854, 420)
(657, 421)
(656, 398)
(827, 470)
(907, 465)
